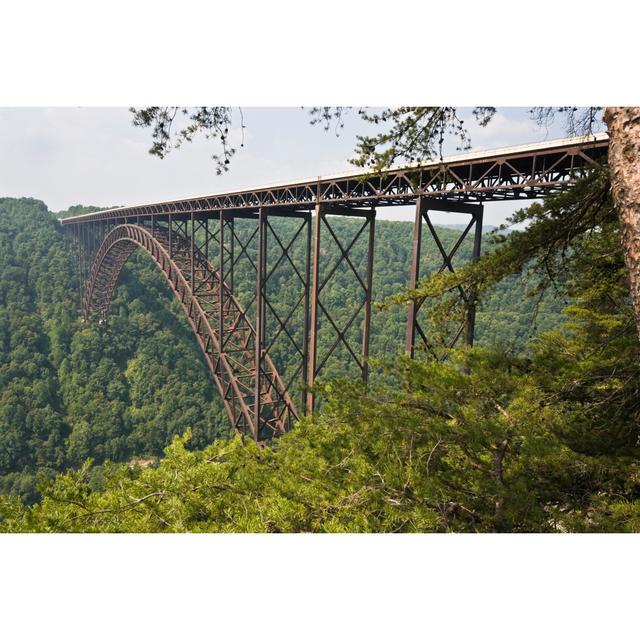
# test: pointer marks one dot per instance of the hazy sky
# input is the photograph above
(94, 156)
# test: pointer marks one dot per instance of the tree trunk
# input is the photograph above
(623, 124)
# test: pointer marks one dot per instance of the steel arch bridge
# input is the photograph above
(196, 245)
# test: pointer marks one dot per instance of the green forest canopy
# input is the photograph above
(527, 441)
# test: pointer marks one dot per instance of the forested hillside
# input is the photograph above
(518, 434)
(71, 391)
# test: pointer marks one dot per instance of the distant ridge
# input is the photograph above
(486, 228)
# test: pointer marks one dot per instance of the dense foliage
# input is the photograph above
(542, 437)
(71, 391)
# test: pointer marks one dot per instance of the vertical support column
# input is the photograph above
(206, 238)
(259, 328)
(83, 271)
(413, 276)
(307, 285)
(85, 264)
(82, 252)
(222, 283)
(231, 255)
(313, 337)
(92, 244)
(87, 259)
(76, 243)
(367, 303)
(472, 296)
(170, 238)
(192, 275)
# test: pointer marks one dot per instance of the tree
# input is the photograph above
(212, 122)
(417, 134)
(492, 440)
(623, 124)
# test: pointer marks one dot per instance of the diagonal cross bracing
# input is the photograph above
(513, 173)
(199, 304)
(203, 255)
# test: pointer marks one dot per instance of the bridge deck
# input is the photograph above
(198, 231)
(511, 173)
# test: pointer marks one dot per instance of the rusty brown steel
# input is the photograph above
(473, 298)
(227, 372)
(509, 174)
(313, 330)
(281, 326)
(368, 298)
(307, 311)
(234, 338)
(414, 274)
(319, 283)
(467, 296)
(259, 332)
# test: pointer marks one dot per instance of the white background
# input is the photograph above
(286, 54)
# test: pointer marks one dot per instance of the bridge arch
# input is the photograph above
(198, 288)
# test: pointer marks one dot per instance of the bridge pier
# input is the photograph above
(199, 234)
(261, 274)
(319, 281)
(473, 298)
(414, 329)
(313, 330)
(196, 244)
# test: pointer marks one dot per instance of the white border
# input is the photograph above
(282, 53)
(305, 586)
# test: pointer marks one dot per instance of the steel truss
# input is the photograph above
(363, 304)
(467, 327)
(516, 173)
(257, 405)
(260, 351)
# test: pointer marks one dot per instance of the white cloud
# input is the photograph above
(68, 156)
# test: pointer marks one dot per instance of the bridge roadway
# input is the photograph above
(512, 173)
(197, 247)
